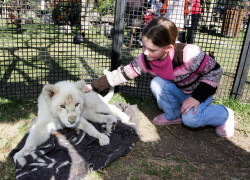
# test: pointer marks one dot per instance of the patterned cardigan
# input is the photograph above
(195, 72)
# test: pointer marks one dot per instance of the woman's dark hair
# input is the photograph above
(161, 31)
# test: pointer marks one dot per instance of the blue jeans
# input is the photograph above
(170, 98)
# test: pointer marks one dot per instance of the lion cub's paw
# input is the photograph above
(20, 159)
(17, 156)
(111, 126)
(103, 140)
(125, 118)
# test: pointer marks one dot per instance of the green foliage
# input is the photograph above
(235, 104)
(106, 7)
(65, 12)
(7, 1)
(241, 111)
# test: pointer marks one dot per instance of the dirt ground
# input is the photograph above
(176, 152)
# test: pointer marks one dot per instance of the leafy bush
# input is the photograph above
(66, 12)
(106, 7)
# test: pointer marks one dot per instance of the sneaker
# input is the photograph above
(227, 129)
(161, 121)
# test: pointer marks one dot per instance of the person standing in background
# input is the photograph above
(156, 7)
(195, 15)
(175, 13)
(187, 14)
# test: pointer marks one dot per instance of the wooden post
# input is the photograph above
(118, 34)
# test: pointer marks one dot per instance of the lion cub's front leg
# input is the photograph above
(92, 131)
(35, 138)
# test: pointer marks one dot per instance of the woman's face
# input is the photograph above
(153, 52)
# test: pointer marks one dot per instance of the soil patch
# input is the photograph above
(175, 151)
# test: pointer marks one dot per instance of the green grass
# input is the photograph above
(40, 51)
(241, 110)
(14, 110)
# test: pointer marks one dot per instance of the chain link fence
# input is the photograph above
(47, 41)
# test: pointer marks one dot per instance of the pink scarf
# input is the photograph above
(163, 68)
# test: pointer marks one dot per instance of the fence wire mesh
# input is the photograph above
(218, 27)
(48, 41)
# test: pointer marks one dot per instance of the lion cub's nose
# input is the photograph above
(72, 119)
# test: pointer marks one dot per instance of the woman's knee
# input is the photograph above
(191, 120)
(155, 86)
(158, 85)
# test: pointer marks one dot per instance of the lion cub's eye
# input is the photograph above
(62, 106)
(77, 104)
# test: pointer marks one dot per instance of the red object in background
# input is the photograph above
(148, 16)
(164, 8)
(186, 10)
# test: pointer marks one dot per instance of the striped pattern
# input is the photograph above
(195, 72)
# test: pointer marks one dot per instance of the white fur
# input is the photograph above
(65, 104)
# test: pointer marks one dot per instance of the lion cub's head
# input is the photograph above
(65, 101)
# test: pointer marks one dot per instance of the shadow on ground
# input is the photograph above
(167, 152)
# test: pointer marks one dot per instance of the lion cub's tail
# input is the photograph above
(109, 96)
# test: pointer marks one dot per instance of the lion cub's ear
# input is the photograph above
(80, 85)
(49, 91)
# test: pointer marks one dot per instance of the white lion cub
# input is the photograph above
(65, 105)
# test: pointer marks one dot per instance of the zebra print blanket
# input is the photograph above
(71, 154)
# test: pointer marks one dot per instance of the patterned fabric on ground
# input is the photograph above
(71, 154)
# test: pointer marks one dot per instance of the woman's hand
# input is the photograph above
(188, 104)
(88, 88)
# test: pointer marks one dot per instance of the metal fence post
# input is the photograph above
(117, 34)
(242, 69)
